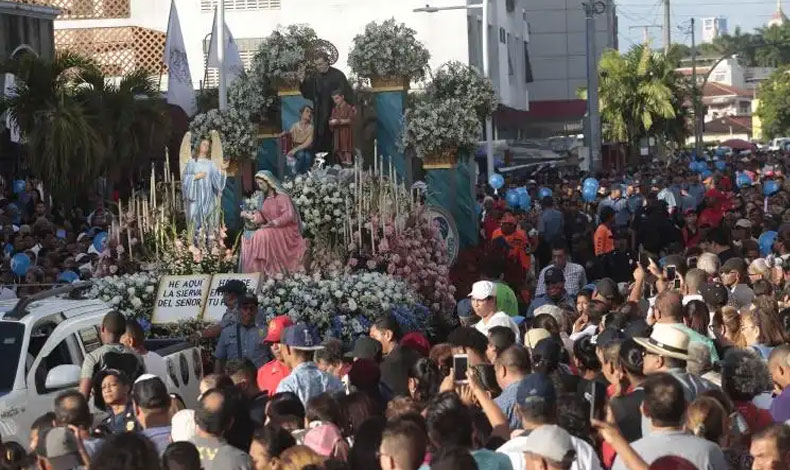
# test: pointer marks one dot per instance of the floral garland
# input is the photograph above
(344, 306)
(235, 129)
(285, 53)
(460, 81)
(431, 126)
(389, 49)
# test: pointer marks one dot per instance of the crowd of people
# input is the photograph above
(647, 329)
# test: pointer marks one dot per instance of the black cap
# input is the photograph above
(608, 336)
(233, 286)
(714, 294)
(554, 275)
(150, 393)
(607, 288)
(248, 299)
(549, 350)
(365, 347)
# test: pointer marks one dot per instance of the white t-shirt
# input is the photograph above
(155, 364)
(498, 319)
(586, 459)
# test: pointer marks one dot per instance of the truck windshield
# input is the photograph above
(11, 335)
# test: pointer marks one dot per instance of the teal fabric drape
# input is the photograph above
(389, 126)
(452, 189)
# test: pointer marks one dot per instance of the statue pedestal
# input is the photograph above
(390, 102)
(451, 188)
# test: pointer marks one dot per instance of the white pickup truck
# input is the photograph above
(43, 340)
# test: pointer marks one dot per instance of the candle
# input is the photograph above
(166, 171)
(173, 193)
(359, 207)
(375, 156)
(120, 214)
(397, 209)
(152, 184)
(129, 238)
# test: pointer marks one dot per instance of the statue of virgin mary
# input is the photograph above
(202, 181)
(277, 246)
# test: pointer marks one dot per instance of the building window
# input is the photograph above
(209, 5)
(527, 66)
(510, 70)
(502, 36)
(247, 49)
(510, 6)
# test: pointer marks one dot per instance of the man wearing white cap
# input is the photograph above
(549, 447)
(483, 298)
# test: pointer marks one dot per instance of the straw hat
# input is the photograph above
(668, 341)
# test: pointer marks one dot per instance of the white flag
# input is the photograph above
(233, 64)
(9, 91)
(180, 91)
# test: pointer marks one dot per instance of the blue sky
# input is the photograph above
(748, 14)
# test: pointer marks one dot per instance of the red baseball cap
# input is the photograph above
(276, 327)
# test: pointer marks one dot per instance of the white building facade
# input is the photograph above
(449, 35)
(713, 28)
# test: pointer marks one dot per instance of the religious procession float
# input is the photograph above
(331, 235)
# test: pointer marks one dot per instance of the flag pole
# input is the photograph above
(223, 89)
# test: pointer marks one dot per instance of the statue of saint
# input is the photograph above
(277, 246)
(340, 123)
(318, 87)
(203, 176)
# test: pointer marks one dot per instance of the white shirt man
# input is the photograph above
(483, 297)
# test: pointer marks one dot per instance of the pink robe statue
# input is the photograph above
(280, 247)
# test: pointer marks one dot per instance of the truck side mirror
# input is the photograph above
(63, 376)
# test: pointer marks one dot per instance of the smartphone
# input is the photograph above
(672, 272)
(691, 261)
(460, 364)
(596, 395)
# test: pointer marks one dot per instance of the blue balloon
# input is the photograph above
(721, 165)
(589, 194)
(743, 180)
(705, 174)
(719, 152)
(770, 188)
(20, 263)
(512, 198)
(19, 186)
(99, 241)
(8, 248)
(68, 277)
(521, 190)
(766, 242)
(544, 193)
(591, 183)
(496, 181)
(524, 200)
(693, 165)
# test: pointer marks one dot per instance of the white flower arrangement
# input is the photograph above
(253, 96)
(210, 255)
(133, 295)
(389, 49)
(235, 128)
(344, 306)
(431, 126)
(460, 81)
(321, 202)
(285, 53)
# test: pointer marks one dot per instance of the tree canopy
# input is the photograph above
(774, 107)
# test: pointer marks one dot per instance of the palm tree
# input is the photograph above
(63, 145)
(134, 120)
(640, 95)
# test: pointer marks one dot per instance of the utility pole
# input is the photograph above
(695, 90)
(487, 74)
(593, 113)
(645, 31)
(667, 29)
(223, 86)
